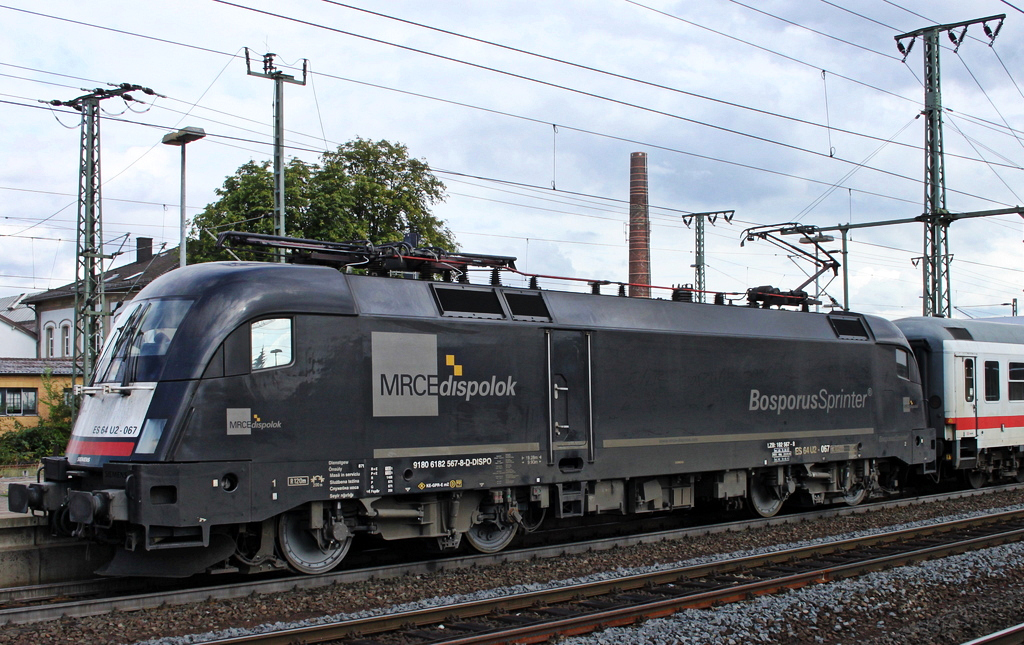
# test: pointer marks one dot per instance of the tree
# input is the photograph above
(364, 190)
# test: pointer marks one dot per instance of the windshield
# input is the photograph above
(136, 349)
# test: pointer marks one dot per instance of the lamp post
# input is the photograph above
(182, 138)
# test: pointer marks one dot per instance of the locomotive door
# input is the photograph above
(570, 406)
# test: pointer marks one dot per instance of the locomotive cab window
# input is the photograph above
(903, 363)
(991, 380)
(137, 348)
(271, 343)
(1016, 382)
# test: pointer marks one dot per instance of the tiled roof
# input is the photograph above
(34, 366)
(128, 278)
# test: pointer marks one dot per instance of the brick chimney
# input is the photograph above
(639, 227)
(143, 249)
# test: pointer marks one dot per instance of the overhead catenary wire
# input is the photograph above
(165, 106)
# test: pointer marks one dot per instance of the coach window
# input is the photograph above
(271, 343)
(991, 380)
(969, 380)
(1016, 382)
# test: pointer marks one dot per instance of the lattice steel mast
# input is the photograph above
(90, 305)
(937, 300)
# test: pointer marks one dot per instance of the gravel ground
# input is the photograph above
(947, 601)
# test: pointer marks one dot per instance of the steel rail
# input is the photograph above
(859, 565)
(97, 606)
(1009, 636)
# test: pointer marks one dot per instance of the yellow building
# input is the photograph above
(22, 395)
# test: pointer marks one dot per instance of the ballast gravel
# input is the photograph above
(944, 601)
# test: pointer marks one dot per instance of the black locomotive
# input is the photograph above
(250, 415)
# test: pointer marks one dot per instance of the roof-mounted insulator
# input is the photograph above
(719, 298)
(533, 283)
(495, 277)
(681, 294)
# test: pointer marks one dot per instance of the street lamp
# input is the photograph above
(181, 138)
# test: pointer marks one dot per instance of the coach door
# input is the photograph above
(965, 398)
(570, 405)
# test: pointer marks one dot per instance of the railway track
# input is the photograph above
(581, 608)
(94, 597)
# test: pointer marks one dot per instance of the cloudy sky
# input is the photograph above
(782, 110)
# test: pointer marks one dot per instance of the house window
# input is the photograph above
(65, 340)
(17, 401)
(48, 349)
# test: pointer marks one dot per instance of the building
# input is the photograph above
(18, 338)
(23, 397)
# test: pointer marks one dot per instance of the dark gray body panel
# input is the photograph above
(650, 388)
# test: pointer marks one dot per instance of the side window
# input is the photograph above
(1016, 382)
(17, 402)
(991, 380)
(902, 363)
(49, 342)
(969, 380)
(271, 343)
(65, 340)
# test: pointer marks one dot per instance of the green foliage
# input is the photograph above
(29, 444)
(364, 190)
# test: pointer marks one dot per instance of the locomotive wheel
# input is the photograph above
(764, 499)
(301, 548)
(977, 478)
(855, 496)
(490, 537)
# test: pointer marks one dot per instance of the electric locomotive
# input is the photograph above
(973, 374)
(249, 416)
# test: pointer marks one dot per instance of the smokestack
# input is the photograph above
(639, 227)
(143, 249)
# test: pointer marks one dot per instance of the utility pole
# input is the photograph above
(280, 78)
(936, 260)
(90, 305)
(698, 266)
